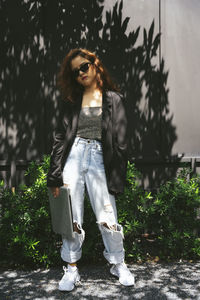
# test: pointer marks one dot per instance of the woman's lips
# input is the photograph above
(85, 77)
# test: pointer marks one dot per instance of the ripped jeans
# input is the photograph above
(84, 166)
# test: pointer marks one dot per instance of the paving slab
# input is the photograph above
(154, 281)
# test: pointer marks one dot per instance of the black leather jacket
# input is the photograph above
(114, 141)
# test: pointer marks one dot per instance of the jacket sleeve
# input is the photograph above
(54, 177)
(120, 130)
(120, 145)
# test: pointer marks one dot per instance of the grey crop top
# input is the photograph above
(89, 125)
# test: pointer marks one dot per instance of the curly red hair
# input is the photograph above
(68, 85)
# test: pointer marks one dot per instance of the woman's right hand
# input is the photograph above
(55, 191)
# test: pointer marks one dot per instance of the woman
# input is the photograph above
(90, 148)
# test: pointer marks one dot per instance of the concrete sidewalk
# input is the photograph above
(153, 282)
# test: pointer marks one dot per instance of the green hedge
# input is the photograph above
(162, 226)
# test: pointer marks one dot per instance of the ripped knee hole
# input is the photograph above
(76, 228)
(111, 227)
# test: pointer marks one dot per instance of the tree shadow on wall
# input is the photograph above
(36, 37)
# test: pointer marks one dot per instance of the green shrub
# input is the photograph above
(133, 210)
(25, 229)
(164, 225)
(169, 217)
(174, 218)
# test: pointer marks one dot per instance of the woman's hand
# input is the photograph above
(55, 191)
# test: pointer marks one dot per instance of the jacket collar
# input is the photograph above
(107, 100)
(106, 109)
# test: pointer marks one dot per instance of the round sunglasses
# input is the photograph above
(83, 68)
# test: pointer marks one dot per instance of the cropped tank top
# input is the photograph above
(89, 125)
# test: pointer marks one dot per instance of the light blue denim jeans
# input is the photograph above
(84, 167)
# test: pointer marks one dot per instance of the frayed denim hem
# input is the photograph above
(71, 250)
(113, 240)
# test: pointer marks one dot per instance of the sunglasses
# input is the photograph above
(83, 68)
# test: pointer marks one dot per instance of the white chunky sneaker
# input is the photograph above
(69, 279)
(123, 273)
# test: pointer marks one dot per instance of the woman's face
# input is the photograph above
(84, 71)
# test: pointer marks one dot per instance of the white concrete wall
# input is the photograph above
(180, 22)
(140, 12)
